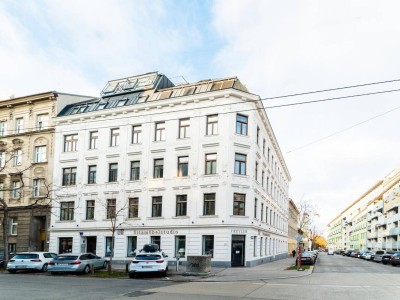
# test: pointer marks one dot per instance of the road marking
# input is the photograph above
(258, 283)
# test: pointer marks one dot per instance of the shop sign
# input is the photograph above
(155, 232)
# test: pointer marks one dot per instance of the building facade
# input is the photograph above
(372, 221)
(26, 157)
(293, 226)
(195, 168)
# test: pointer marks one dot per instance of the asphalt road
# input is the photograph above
(334, 277)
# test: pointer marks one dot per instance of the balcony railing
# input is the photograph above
(394, 231)
(395, 218)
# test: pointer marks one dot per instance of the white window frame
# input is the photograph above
(19, 125)
(13, 226)
(3, 128)
(40, 154)
(70, 142)
(37, 187)
(42, 121)
(15, 190)
(17, 157)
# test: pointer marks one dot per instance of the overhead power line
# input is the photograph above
(344, 129)
(332, 89)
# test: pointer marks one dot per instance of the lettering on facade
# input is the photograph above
(240, 231)
(154, 232)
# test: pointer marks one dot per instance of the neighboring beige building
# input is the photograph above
(26, 166)
(293, 226)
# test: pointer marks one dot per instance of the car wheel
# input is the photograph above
(86, 270)
(132, 275)
(12, 271)
(105, 264)
(54, 273)
(44, 268)
(384, 262)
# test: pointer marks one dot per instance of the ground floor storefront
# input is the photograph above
(228, 246)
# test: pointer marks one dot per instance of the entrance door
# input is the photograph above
(237, 259)
(91, 244)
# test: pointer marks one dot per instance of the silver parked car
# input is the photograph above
(80, 262)
(37, 261)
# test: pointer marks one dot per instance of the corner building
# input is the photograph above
(195, 168)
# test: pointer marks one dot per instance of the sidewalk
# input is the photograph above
(268, 271)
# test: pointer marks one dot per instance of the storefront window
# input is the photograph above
(132, 245)
(156, 239)
(65, 245)
(109, 246)
(180, 246)
(208, 245)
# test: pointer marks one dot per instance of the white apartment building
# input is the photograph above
(195, 168)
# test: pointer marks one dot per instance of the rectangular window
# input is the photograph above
(158, 171)
(17, 157)
(136, 134)
(262, 178)
(184, 128)
(12, 249)
(239, 201)
(268, 154)
(3, 128)
(109, 246)
(261, 245)
(42, 121)
(111, 208)
(156, 239)
(258, 134)
(256, 172)
(135, 170)
(114, 137)
(156, 207)
(263, 146)
(65, 245)
(40, 154)
(132, 246)
(266, 214)
(212, 125)
(90, 210)
(93, 137)
(208, 245)
(2, 159)
(180, 246)
(92, 172)
(181, 205)
(240, 164)
(183, 166)
(160, 132)
(70, 142)
(113, 172)
(255, 208)
(15, 189)
(209, 204)
(37, 188)
(211, 163)
(241, 124)
(69, 176)
(67, 211)
(133, 208)
(262, 211)
(255, 246)
(13, 226)
(19, 125)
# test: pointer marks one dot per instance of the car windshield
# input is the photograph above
(70, 257)
(307, 254)
(26, 256)
(148, 257)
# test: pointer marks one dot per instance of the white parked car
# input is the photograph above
(30, 261)
(149, 260)
(331, 252)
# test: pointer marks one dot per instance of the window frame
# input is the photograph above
(159, 135)
(158, 169)
(156, 206)
(240, 164)
(239, 204)
(210, 164)
(184, 128)
(69, 178)
(70, 142)
(67, 211)
(209, 204)
(136, 134)
(242, 124)
(92, 174)
(133, 208)
(42, 124)
(181, 206)
(90, 209)
(212, 125)
(135, 170)
(206, 241)
(112, 172)
(40, 155)
(93, 139)
(183, 167)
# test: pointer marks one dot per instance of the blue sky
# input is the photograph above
(274, 47)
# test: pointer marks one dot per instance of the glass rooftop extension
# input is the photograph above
(146, 88)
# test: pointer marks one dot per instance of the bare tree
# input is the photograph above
(116, 216)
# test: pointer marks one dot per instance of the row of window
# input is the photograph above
(65, 245)
(71, 141)
(39, 189)
(67, 209)
(210, 168)
(39, 156)
(42, 121)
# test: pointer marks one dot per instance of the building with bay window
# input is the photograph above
(195, 168)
